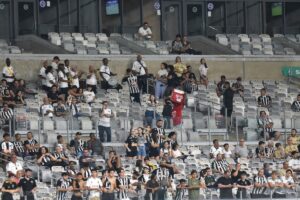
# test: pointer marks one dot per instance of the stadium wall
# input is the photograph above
(249, 68)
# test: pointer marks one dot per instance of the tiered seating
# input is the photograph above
(253, 44)
(87, 44)
(6, 49)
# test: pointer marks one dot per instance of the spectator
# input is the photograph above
(113, 161)
(131, 144)
(145, 32)
(6, 114)
(264, 100)
(20, 99)
(227, 151)
(181, 190)
(290, 147)
(159, 131)
(27, 185)
(261, 150)
(221, 86)
(60, 110)
(53, 95)
(176, 153)
(50, 78)
(18, 146)
(276, 184)
(8, 72)
(265, 125)
(215, 149)
(74, 93)
(260, 185)
(45, 158)
(95, 145)
(237, 87)
(236, 173)
(172, 81)
(219, 165)
(86, 158)
(154, 149)
(67, 67)
(270, 149)
(63, 81)
(186, 47)
(179, 67)
(94, 185)
(8, 98)
(203, 72)
(294, 161)
(285, 166)
(91, 80)
(151, 110)
(296, 104)
(152, 188)
(109, 185)
(9, 187)
(107, 77)
(47, 109)
(74, 76)
(76, 145)
(166, 149)
(104, 122)
(139, 68)
(79, 186)
(241, 150)
(124, 185)
(225, 184)
(279, 152)
(227, 101)
(194, 186)
(63, 186)
(295, 138)
(61, 157)
(61, 143)
(7, 147)
(161, 81)
(167, 113)
(55, 62)
(243, 184)
(141, 143)
(177, 45)
(134, 90)
(210, 180)
(31, 145)
(42, 74)
(288, 180)
(13, 166)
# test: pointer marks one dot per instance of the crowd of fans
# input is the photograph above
(152, 153)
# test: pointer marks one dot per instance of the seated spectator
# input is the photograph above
(241, 150)
(47, 109)
(296, 104)
(288, 180)
(237, 87)
(76, 145)
(243, 185)
(26, 91)
(282, 170)
(279, 152)
(61, 143)
(260, 151)
(210, 180)
(74, 108)
(270, 149)
(113, 161)
(145, 32)
(177, 46)
(131, 144)
(31, 145)
(176, 153)
(53, 95)
(179, 67)
(18, 146)
(166, 162)
(14, 166)
(7, 147)
(73, 93)
(172, 138)
(290, 147)
(276, 184)
(60, 109)
(264, 100)
(221, 86)
(8, 98)
(225, 184)
(295, 138)
(294, 161)
(236, 173)
(95, 145)
(265, 126)
(89, 95)
(86, 158)
(20, 99)
(219, 165)
(45, 158)
(227, 151)
(260, 185)
(166, 149)
(189, 85)
(216, 149)
(187, 48)
(63, 81)
(60, 157)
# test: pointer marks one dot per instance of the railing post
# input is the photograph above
(39, 131)
(9, 127)
(264, 132)
(285, 130)
(226, 123)
(68, 136)
(208, 124)
(237, 130)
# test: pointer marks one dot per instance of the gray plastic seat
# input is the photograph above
(92, 51)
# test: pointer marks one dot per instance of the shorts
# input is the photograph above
(141, 151)
(131, 153)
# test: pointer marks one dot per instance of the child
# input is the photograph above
(181, 190)
(167, 113)
(243, 185)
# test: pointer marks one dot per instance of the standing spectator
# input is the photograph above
(179, 67)
(150, 113)
(106, 76)
(167, 113)
(109, 185)
(113, 161)
(145, 32)
(260, 185)
(55, 62)
(237, 87)
(91, 80)
(139, 68)
(296, 104)
(276, 184)
(221, 86)
(7, 147)
(227, 101)
(31, 145)
(220, 165)
(63, 186)
(215, 149)
(236, 173)
(142, 140)
(9, 187)
(77, 144)
(79, 186)
(104, 122)
(94, 186)
(42, 75)
(210, 180)
(203, 72)
(194, 186)
(124, 185)
(50, 78)
(63, 81)
(134, 90)
(177, 45)
(181, 190)
(95, 145)
(241, 150)
(264, 100)
(47, 109)
(14, 166)
(178, 100)
(161, 81)
(18, 146)
(225, 184)
(243, 184)
(28, 186)
(131, 144)
(265, 125)
(8, 72)
(6, 114)
(159, 131)
(152, 187)
(74, 76)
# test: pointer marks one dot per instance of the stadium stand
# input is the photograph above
(6, 49)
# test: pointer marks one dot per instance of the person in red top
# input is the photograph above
(178, 99)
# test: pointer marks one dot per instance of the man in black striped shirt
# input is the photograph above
(133, 87)
(264, 100)
(19, 146)
(31, 145)
(220, 165)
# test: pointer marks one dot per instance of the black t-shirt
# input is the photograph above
(235, 178)
(27, 185)
(152, 184)
(53, 96)
(242, 191)
(130, 140)
(228, 98)
(8, 186)
(225, 193)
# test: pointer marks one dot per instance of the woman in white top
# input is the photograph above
(150, 110)
(63, 80)
(203, 72)
(227, 151)
(92, 79)
(161, 81)
(89, 95)
(50, 79)
(75, 76)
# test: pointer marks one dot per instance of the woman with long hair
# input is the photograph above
(161, 81)
(203, 72)
(45, 158)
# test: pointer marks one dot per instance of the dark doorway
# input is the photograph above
(26, 17)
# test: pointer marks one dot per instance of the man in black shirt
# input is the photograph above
(9, 187)
(236, 173)
(225, 185)
(53, 95)
(243, 185)
(28, 185)
(227, 100)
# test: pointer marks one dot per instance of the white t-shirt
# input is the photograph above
(94, 183)
(89, 96)
(105, 121)
(5, 149)
(203, 70)
(14, 167)
(43, 74)
(105, 72)
(50, 77)
(162, 72)
(64, 77)
(46, 108)
(227, 154)
(144, 32)
(277, 180)
(288, 180)
(54, 65)
(75, 81)
(92, 80)
(215, 151)
(8, 71)
(66, 69)
(138, 67)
